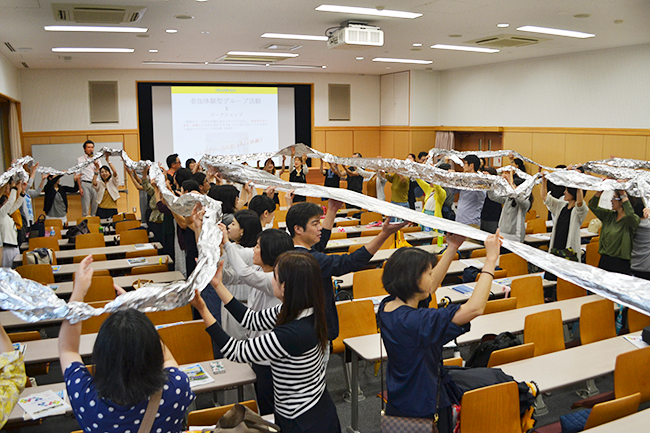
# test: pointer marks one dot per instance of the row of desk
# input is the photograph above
(67, 256)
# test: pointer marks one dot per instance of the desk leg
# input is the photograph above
(240, 393)
(354, 378)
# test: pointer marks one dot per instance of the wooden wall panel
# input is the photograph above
(401, 144)
(624, 146)
(581, 148)
(367, 143)
(647, 148)
(521, 142)
(65, 139)
(387, 144)
(548, 149)
(422, 141)
(115, 138)
(318, 140)
(339, 143)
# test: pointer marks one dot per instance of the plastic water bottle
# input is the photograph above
(52, 232)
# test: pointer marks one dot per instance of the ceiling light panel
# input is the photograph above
(92, 50)
(556, 32)
(464, 48)
(107, 29)
(412, 61)
(367, 11)
(291, 36)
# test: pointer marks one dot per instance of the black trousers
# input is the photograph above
(614, 264)
(264, 388)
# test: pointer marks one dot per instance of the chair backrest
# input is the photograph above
(132, 237)
(39, 273)
(545, 329)
(126, 225)
(592, 257)
(180, 314)
(210, 416)
(478, 253)
(455, 362)
(96, 258)
(338, 235)
(54, 223)
(511, 354)
(630, 374)
(141, 253)
(101, 289)
(346, 223)
(353, 248)
(612, 410)
(388, 243)
(90, 240)
(96, 273)
(566, 290)
(93, 219)
(123, 216)
(370, 217)
(188, 342)
(597, 321)
(531, 214)
(149, 269)
(412, 229)
(513, 264)
(637, 321)
(93, 227)
(370, 232)
(538, 225)
(528, 291)
(356, 318)
(491, 409)
(367, 283)
(499, 305)
(44, 242)
(92, 325)
(20, 337)
(25, 256)
(279, 216)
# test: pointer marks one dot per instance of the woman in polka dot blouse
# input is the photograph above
(131, 364)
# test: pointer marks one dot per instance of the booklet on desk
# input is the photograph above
(146, 246)
(43, 404)
(138, 261)
(20, 347)
(196, 374)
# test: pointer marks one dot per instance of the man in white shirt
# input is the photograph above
(85, 181)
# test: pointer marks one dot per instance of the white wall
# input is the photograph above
(425, 98)
(599, 89)
(57, 99)
(9, 79)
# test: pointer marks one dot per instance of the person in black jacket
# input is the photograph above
(56, 201)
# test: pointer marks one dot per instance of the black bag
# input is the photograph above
(489, 343)
(79, 229)
(37, 230)
(645, 334)
(470, 273)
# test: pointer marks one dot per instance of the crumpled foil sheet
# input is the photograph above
(458, 156)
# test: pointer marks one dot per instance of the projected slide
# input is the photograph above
(224, 120)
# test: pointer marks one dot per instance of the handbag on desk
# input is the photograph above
(241, 419)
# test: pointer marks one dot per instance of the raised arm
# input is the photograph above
(440, 271)
(387, 230)
(134, 178)
(333, 207)
(282, 169)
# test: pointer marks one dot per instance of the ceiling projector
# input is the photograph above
(355, 36)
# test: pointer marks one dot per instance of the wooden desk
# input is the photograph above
(636, 422)
(64, 244)
(566, 367)
(67, 256)
(236, 375)
(111, 265)
(545, 238)
(363, 240)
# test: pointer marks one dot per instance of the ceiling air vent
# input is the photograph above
(506, 41)
(97, 14)
(254, 57)
(8, 45)
(25, 65)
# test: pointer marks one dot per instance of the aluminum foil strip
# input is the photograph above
(521, 174)
(457, 156)
(623, 163)
(626, 290)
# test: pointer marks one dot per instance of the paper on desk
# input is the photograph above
(56, 269)
(463, 289)
(138, 261)
(43, 404)
(147, 246)
(196, 374)
(472, 262)
(541, 236)
(636, 340)
(20, 347)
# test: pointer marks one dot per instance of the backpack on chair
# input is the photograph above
(40, 256)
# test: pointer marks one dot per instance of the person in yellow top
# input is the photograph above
(399, 189)
(12, 376)
(434, 198)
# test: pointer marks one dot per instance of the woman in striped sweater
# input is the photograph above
(295, 346)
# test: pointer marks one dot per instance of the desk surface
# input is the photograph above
(236, 375)
(363, 240)
(68, 255)
(544, 238)
(636, 422)
(566, 367)
(112, 265)
(65, 245)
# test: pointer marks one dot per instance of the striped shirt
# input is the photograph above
(297, 362)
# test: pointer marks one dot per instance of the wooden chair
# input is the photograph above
(531, 215)
(346, 223)
(637, 321)
(279, 216)
(513, 264)
(54, 223)
(123, 216)
(97, 273)
(370, 217)
(25, 256)
(498, 305)
(528, 291)
(132, 237)
(511, 354)
(592, 256)
(338, 235)
(388, 243)
(149, 269)
(93, 219)
(93, 228)
(39, 273)
(188, 342)
(92, 325)
(545, 329)
(566, 290)
(597, 321)
(455, 362)
(31, 369)
(629, 374)
(537, 225)
(491, 409)
(478, 253)
(96, 258)
(412, 229)
(126, 225)
(210, 416)
(612, 410)
(90, 240)
(370, 232)
(101, 289)
(180, 314)
(43, 242)
(368, 283)
(141, 253)
(353, 248)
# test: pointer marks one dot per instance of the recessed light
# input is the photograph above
(253, 53)
(92, 50)
(171, 30)
(503, 25)
(618, 21)
(291, 36)
(556, 32)
(367, 11)
(201, 0)
(417, 45)
(109, 29)
(455, 36)
(324, 66)
(184, 17)
(153, 51)
(359, 58)
(581, 16)
(204, 32)
(414, 61)
(464, 48)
